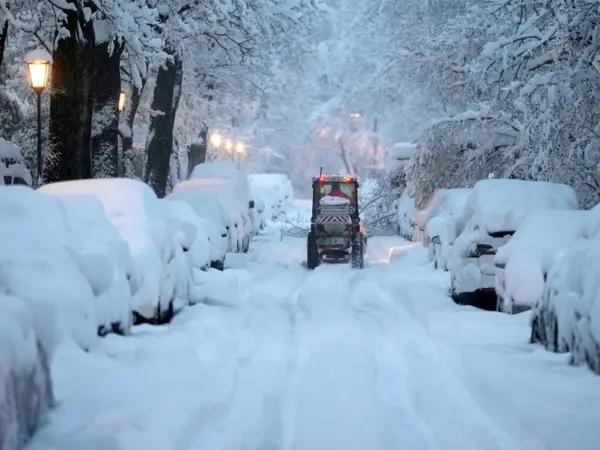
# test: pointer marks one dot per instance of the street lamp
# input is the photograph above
(121, 104)
(355, 115)
(38, 64)
(120, 160)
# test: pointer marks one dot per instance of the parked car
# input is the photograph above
(145, 225)
(489, 218)
(224, 191)
(207, 207)
(429, 222)
(276, 191)
(523, 263)
(566, 318)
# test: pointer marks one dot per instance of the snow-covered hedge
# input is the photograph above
(26, 346)
(567, 317)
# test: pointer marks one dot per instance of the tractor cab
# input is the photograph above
(336, 231)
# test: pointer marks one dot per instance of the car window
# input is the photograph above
(347, 190)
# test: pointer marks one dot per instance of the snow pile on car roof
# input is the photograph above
(499, 205)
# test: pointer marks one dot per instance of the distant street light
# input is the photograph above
(240, 148)
(216, 140)
(121, 104)
(228, 145)
(355, 115)
(38, 63)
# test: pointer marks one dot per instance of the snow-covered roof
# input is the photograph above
(219, 169)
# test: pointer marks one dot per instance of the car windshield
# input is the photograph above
(337, 193)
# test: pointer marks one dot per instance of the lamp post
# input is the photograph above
(38, 64)
(120, 107)
(229, 148)
(240, 150)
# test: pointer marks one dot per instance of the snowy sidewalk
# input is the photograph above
(329, 359)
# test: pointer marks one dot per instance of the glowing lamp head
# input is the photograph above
(38, 74)
(216, 140)
(228, 145)
(239, 147)
(121, 104)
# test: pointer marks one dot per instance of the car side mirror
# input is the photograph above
(251, 204)
(436, 240)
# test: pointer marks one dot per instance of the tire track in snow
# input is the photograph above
(438, 395)
(225, 424)
(338, 405)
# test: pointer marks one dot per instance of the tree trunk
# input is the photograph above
(345, 160)
(159, 145)
(71, 104)
(197, 151)
(105, 118)
(3, 39)
(127, 165)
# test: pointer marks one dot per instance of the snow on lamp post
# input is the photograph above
(38, 65)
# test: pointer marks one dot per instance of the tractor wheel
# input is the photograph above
(312, 252)
(357, 254)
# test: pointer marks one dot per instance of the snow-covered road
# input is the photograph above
(281, 358)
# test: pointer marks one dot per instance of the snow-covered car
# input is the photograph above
(40, 264)
(103, 255)
(145, 225)
(225, 192)
(234, 174)
(522, 264)
(275, 190)
(216, 221)
(489, 218)
(26, 345)
(567, 316)
(444, 203)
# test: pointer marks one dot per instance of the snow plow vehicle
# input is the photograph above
(336, 231)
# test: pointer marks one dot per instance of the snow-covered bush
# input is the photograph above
(12, 165)
(41, 264)
(275, 190)
(404, 207)
(490, 216)
(103, 255)
(146, 226)
(26, 345)
(376, 197)
(567, 317)
(522, 264)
